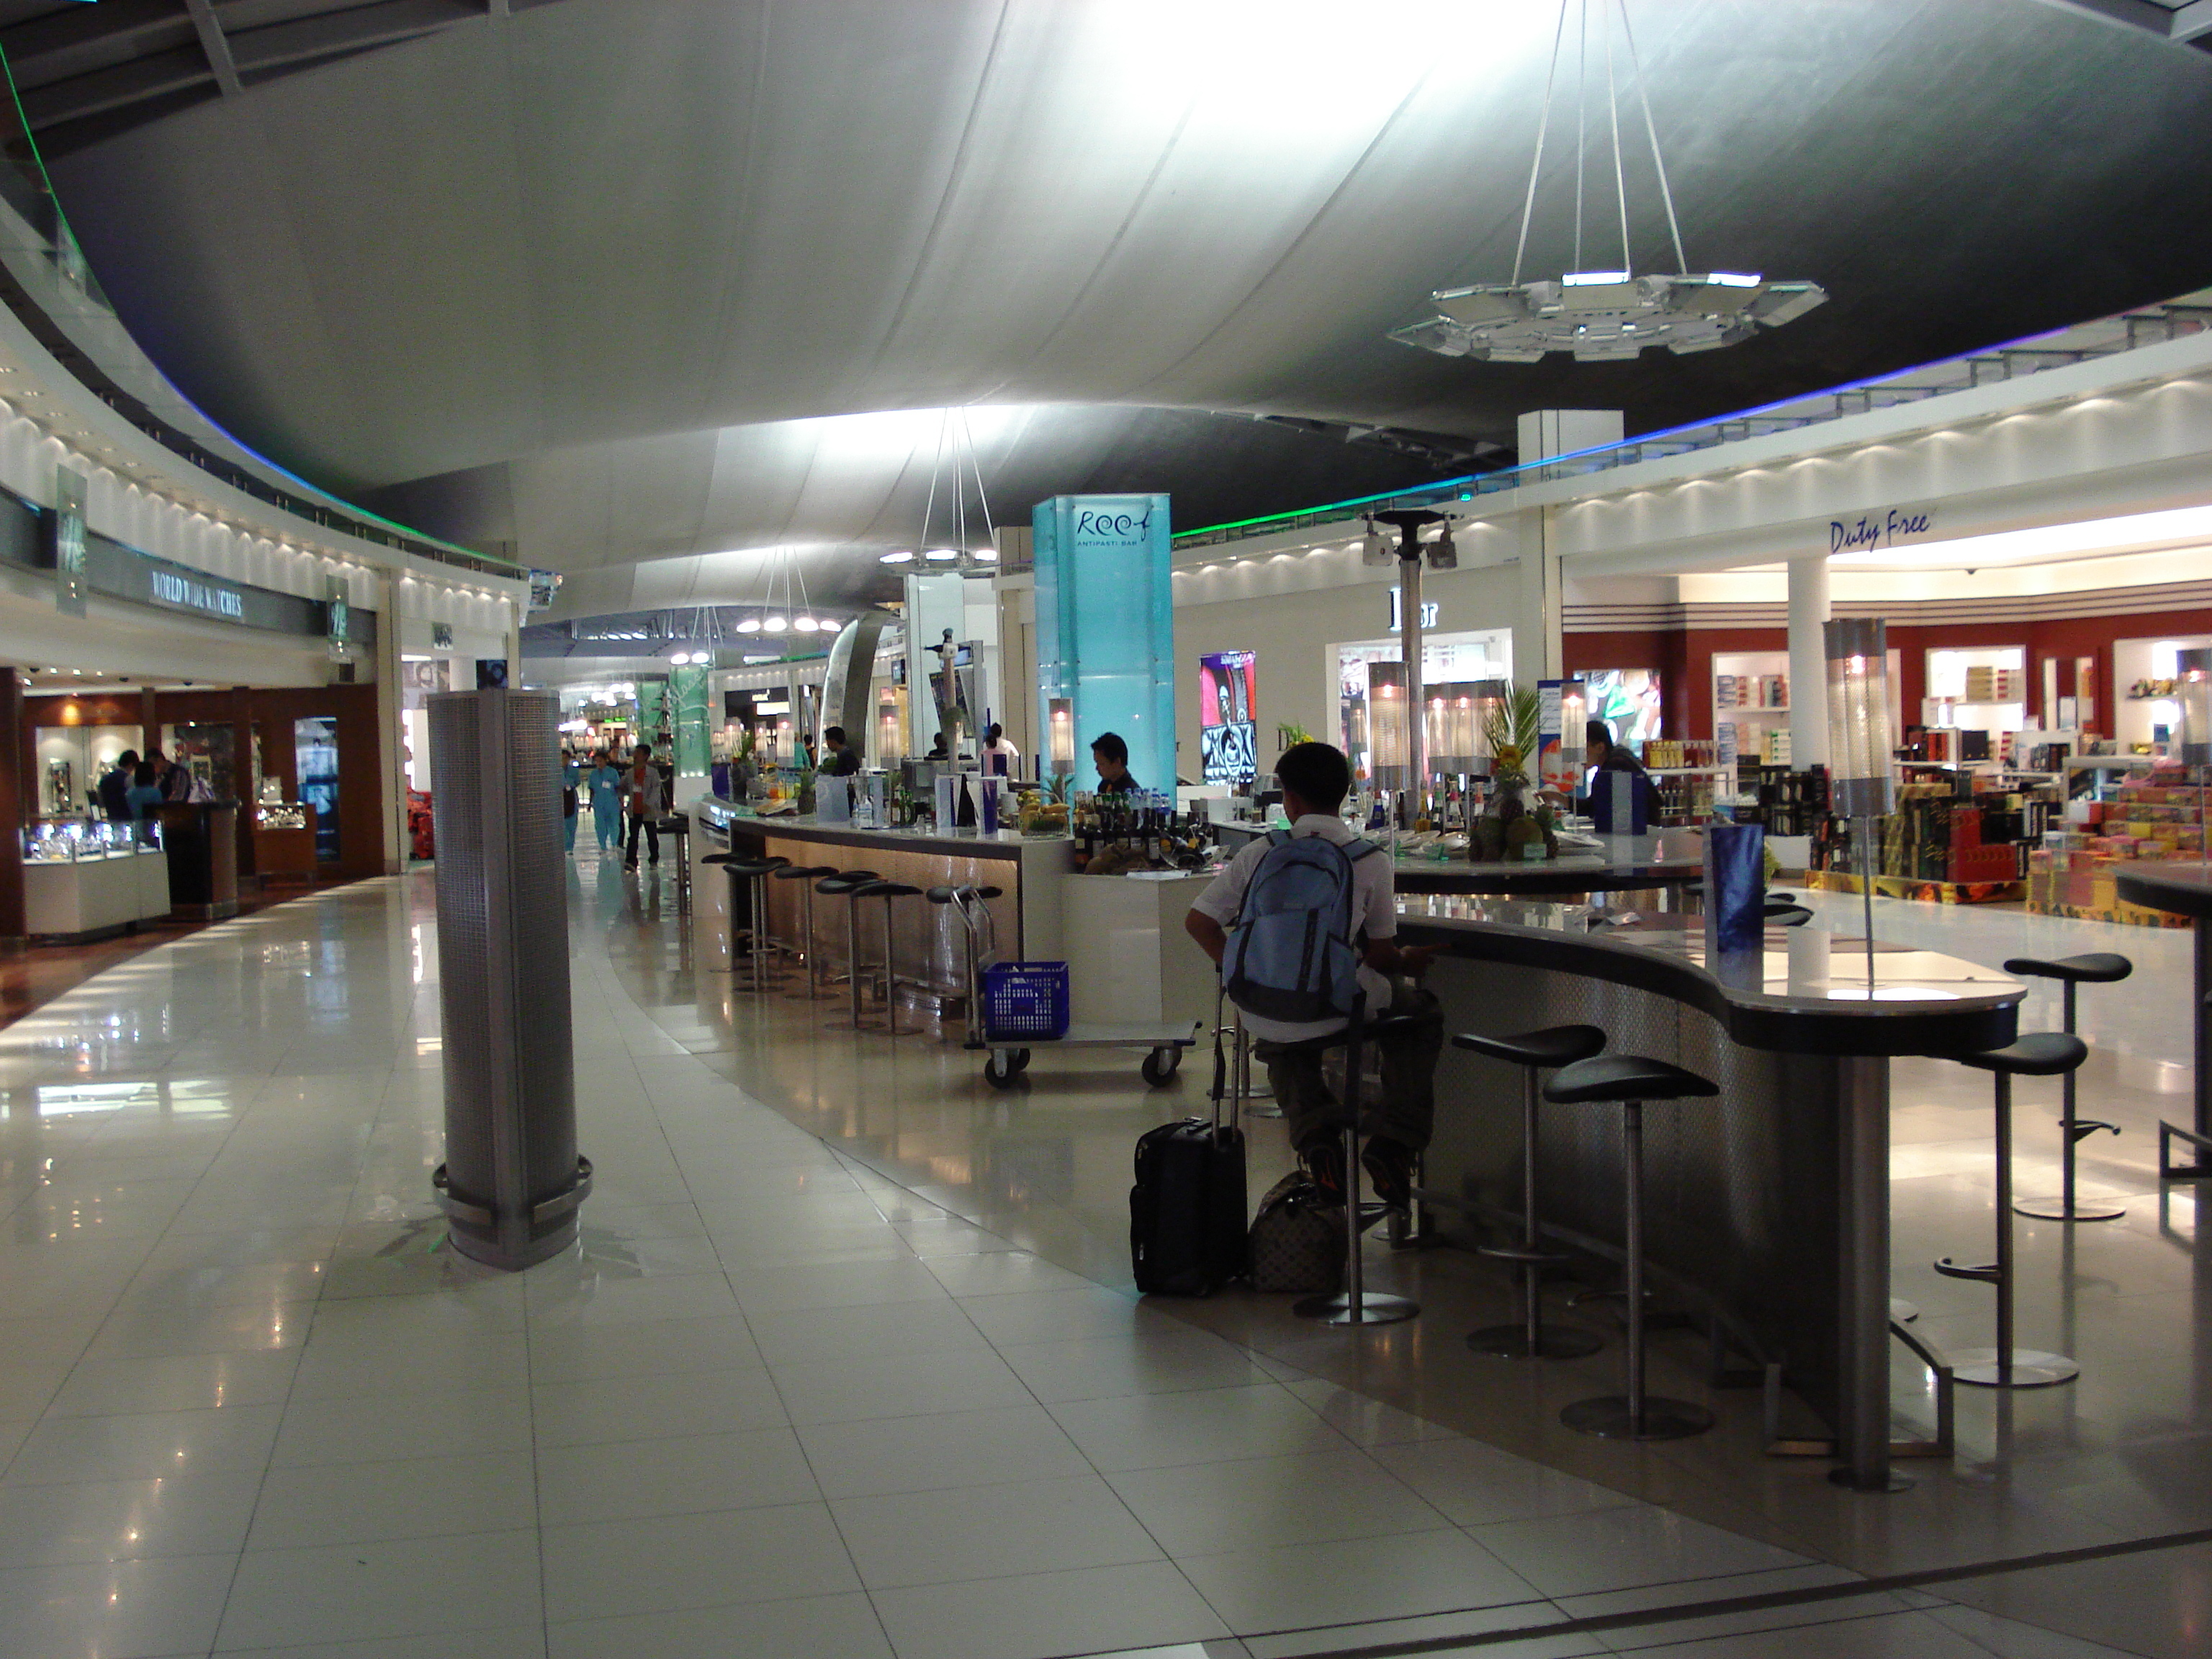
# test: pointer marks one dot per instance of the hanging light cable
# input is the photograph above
(1601, 315)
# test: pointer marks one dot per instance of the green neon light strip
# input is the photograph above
(38, 157)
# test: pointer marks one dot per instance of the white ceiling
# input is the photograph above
(582, 267)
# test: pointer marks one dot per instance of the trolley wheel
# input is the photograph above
(1003, 1068)
(1160, 1065)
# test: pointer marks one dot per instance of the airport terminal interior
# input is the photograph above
(1140, 828)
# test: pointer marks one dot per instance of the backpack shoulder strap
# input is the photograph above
(1278, 838)
(1360, 848)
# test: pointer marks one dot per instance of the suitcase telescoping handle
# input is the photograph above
(1229, 1081)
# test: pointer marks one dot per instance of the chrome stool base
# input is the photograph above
(1552, 1342)
(1610, 1418)
(2056, 1209)
(1375, 1309)
(2031, 1369)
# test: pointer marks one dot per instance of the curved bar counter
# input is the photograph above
(2184, 890)
(1771, 1202)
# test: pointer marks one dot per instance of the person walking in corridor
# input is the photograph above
(642, 797)
(605, 778)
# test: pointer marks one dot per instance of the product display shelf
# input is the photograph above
(2122, 819)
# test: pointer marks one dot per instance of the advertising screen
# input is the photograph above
(1228, 736)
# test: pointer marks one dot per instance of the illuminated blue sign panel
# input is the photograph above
(1106, 626)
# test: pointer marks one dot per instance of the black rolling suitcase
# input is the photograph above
(1187, 1215)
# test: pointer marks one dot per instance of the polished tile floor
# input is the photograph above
(847, 1364)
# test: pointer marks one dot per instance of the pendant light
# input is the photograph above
(1597, 313)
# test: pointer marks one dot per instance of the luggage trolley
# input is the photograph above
(1014, 1007)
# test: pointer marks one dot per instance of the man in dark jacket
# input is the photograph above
(115, 788)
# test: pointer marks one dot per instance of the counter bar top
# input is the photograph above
(1004, 844)
(1922, 1003)
(2184, 890)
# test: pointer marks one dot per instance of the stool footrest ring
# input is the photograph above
(1985, 1272)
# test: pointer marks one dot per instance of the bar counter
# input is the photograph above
(1666, 859)
(1769, 1205)
(2183, 889)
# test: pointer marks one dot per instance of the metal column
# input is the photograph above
(1863, 1302)
(511, 1182)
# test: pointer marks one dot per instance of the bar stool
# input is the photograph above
(809, 873)
(890, 892)
(752, 873)
(1632, 1079)
(2097, 968)
(1353, 1305)
(847, 885)
(1534, 1052)
(2045, 1053)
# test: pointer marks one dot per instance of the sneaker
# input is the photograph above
(1324, 1161)
(1389, 1166)
(632, 865)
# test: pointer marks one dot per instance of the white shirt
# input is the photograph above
(1373, 915)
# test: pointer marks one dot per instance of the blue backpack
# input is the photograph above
(1291, 955)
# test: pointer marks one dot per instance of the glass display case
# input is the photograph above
(281, 815)
(73, 841)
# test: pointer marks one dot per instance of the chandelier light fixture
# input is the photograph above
(1599, 315)
(784, 608)
(952, 550)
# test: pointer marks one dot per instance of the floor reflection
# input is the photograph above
(2122, 1453)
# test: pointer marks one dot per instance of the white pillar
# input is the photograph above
(1539, 652)
(1808, 697)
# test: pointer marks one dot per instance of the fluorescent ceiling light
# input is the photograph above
(805, 624)
(987, 556)
(2125, 533)
(775, 625)
(895, 558)
(750, 625)
(1591, 278)
(941, 555)
(1733, 279)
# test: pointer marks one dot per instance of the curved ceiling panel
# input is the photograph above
(865, 482)
(540, 237)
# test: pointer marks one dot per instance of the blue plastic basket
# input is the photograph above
(1024, 1000)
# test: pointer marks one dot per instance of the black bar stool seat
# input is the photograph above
(1549, 1049)
(1785, 915)
(1625, 1078)
(2040, 1053)
(1546, 1050)
(2092, 967)
(1630, 1080)
(2043, 1053)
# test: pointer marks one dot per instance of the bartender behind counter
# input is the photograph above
(1111, 757)
(843, 760)
(1603, 754)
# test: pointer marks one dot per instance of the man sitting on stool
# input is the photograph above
(1314, 780)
